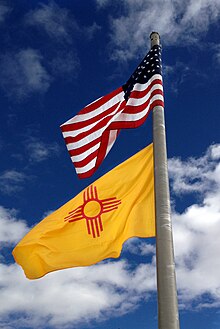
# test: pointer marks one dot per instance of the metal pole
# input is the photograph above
(168, 315)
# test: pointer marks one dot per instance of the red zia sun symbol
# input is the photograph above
(92, 209)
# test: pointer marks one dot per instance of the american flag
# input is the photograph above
(90, 134)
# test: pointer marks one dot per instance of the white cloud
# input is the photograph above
(178, 22)
(12, 181)
(197, 229)
(22, 73)
(137, 247)
(11, 229)
(196, 236)
(195, 174)
(215, 151)
(68, 297)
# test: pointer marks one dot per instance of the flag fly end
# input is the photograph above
(91, 133)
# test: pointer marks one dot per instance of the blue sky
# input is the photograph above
(58, 56)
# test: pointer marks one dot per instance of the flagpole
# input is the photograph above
(168, 315)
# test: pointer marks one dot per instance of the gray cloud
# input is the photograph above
(22, 73)
(61, 27)
(12, 181)
(54, 20)
(216, 49)
(4, 11)
(39, 151)
(65, 64)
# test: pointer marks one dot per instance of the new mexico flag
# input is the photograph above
(95, 224)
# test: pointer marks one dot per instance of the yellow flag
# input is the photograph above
(95, 224)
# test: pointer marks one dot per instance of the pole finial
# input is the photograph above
(155, 38)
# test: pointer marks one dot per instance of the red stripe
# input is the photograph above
(93, 230)
(128, 109)
(82, 124)
(88, 227)
(132, 109)
(105, 137)
(87, 174)
(82, 149)
(100, 154)
(100, 224)
(98, 126)
(101, 101)
(97, 227)
(140, 94)
(102, 149)
(85, 161)
(137, 123)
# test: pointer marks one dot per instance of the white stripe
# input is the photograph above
(141, 86)
(82, 156)
(86, 168)
(140, 101)
(111, 140)
(118, 117)
(87, 139)
(137, 116)
(94, 135)
(86, 116)
(73, 133)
